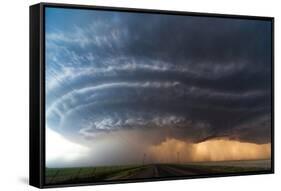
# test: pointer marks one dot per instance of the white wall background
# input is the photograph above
(14, 88)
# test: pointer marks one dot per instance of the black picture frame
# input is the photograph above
(37, 92)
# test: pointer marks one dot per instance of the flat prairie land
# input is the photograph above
(133, 172)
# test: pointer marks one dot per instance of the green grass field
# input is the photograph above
(103, 173)
(88, 174)
(230, 166)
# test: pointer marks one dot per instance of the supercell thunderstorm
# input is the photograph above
(143, 79)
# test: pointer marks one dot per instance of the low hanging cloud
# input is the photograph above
(155, 78)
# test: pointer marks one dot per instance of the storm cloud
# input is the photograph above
(180, 77)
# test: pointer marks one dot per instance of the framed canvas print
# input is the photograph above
(131, 95)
